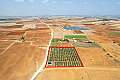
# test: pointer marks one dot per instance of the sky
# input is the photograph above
(59, 7)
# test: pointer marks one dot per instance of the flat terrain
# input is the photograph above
(98, 47)
(26, 44)
(22, 50)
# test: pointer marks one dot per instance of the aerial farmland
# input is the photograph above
(60, 48)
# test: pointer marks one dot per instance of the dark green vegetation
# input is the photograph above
(88, 22)
(85, 44)
(63, 57)
(114, 33)
(55, 41)
(76, 41)
(59, 40)
(80, 37)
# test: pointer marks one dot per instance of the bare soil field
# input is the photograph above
(93, 57)
(10, 25)
(20, 61)
(79, 74)
(41, 25)
(38, 37)
(11, 35)
(4, 44)
(108, 41)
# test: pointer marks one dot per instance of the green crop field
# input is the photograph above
(81, 37)
(55, 41)
(114, 33)
(85, 44)
(63, 57)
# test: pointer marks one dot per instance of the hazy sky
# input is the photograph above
(59, 7)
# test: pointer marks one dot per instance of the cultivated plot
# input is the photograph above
(63, 57)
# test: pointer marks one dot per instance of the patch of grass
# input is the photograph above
(55, 41)
(86, 45)
(81, 37)
(54, 44)
(114, 33)
(88, 22)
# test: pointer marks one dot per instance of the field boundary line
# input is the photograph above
(7, 48)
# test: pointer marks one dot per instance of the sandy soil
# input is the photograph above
(19, 60)
(22, 59)
(79, 74)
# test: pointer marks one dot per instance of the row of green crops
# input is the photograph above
(114, 33)
(55, 41)
(81, 37)
(85, 44)
(64, 57)
(58, 40)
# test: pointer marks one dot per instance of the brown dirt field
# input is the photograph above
(16, 33)
(3, 33)
(25, 22)
(1, 50)
(110, 48)
(12, 26)
(42, 41)
(93, 57)
(38, 28)
(11, 37)
(38, 33)
(115, 39)
(39, 37)
(19, 61)
(4, 44)
(41, 25)
(98, 38)
(90, 25)
(63, 74)
(113, 50)
(78, 32)
(79, 74)
(64, 44)
(104, 74)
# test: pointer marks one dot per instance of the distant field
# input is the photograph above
(81, 37)
(55, 41)
(114, 33)
(85, 44)
(88, 22)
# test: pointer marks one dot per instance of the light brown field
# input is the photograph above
(19, 60)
